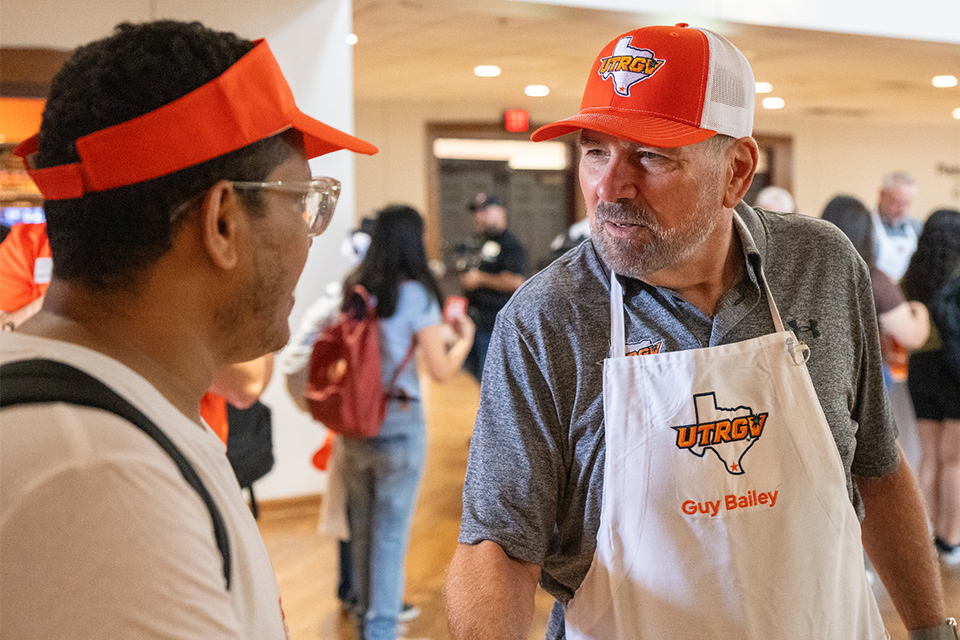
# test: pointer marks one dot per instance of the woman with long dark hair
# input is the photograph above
(902, 322)
(382, 474)
(934, 384)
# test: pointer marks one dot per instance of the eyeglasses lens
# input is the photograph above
(320, 206)
(318, 198)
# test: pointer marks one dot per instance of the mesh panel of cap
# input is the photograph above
(728, 106)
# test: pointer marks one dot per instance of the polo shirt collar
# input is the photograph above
(754, 243)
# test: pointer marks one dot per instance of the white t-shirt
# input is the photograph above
(100, 535)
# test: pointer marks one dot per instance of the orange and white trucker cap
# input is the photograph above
(665, 87)
(248, 102)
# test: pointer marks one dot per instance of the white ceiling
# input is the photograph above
(425, 50)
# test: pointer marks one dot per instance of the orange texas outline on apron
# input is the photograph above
(725, 512)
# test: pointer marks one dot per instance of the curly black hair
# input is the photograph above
(936, 259)
(108, 239)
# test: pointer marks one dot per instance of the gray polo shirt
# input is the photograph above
(535, 472)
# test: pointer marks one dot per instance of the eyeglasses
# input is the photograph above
(319, 198)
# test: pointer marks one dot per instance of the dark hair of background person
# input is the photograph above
(936, 258)
(107, 239)
(853, 218)
(396, 254)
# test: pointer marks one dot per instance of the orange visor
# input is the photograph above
(248, 102)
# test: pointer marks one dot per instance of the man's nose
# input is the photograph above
(617, 181)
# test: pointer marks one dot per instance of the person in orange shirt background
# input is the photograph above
(25, 270)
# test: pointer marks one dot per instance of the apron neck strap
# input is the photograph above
(774, 312)
(618, 336)
(877, 225)
(799, 351)
(880, 233)
(618, 339)
(618, 331)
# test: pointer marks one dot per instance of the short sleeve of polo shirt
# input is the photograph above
(514, 469)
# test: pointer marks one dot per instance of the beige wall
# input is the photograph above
(846, 155)
(830, 155)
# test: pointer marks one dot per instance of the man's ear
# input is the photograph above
(742, 158)
(220, 217)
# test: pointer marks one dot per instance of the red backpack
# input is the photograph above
(344, 389)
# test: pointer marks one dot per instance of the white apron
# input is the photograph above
(725, 512)
(893, 253)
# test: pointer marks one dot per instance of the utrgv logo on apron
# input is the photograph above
(644, 348)
(729, 433)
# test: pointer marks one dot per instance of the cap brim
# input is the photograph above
(648, 130)
(319, 138)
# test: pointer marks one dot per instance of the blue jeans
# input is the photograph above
(345, 580)
(887, 377)
(382, 476)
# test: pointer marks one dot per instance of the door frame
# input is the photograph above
(482, 131)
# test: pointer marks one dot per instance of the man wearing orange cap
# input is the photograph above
(716, 475)
(180, 209)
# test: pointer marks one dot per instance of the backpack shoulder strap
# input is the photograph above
(47, 381)
(403, 363)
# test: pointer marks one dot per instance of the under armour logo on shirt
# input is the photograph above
(809, 328)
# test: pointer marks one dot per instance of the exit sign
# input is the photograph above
(516, 120)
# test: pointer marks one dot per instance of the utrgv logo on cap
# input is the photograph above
(628, 65)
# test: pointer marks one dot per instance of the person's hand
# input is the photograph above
(464, 328)
(448, 334)
(471, 279)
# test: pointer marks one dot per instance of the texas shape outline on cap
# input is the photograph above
(628, 65)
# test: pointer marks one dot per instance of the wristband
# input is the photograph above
(945, 631)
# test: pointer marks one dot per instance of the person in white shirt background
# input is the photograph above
(895, 232)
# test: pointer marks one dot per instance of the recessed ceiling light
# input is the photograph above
(764, 87)
(944, 81)
(486, 71)
(536, 90)
(772, 103)
(956, 114)
(352, 39)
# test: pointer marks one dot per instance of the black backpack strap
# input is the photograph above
(46, 381)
